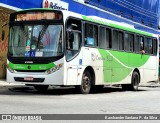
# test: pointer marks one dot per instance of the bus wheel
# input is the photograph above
(85, 86)
(135, 81)
(41, 88)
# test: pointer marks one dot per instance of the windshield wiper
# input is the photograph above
(41, 33)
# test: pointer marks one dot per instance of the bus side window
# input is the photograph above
(73, 38)
(146, 45)
(91, 35)
(131, 40)
(142, 50)
(155, 46)
(121, 40)
(115, 40)
(108, 34)
(150, 46)
(95, 35)
(137, 44)
(141, 43)
(89, 40)
(104, 38)
(126, 42)
(70, 37)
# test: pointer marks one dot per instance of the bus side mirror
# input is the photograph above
(3, 34)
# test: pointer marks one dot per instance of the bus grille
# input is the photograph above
(38, 71)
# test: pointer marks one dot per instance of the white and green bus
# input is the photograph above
(52, 47)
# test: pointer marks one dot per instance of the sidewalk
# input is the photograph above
(3, 82)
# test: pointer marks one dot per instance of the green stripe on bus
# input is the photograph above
(115, 26)
(134, 60)
(118, 65)
(32, 66)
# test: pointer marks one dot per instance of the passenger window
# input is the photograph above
(137, 44)
(155, 46)
(126, 43)
(95, 35)
(73, 38)
(121, 41)
(91, 35)
(104, 38)
(108, 37)
(150, 46)
(141, 43)
(131, 40)
(115, 41)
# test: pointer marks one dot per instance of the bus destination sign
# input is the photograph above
(32, 16)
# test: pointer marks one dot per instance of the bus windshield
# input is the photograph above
(31, 40)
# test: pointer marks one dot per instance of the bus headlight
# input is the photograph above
(10, 69)
(54, 69)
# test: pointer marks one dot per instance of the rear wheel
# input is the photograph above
(41, 88)
(85, 86)
(135, 81)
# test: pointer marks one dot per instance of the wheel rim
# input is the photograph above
(86, 83)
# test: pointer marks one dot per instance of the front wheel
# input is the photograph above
(85, 86)
(41, 88)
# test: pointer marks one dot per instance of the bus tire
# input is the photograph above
(86, 83)
(41, 88)
(135, 81)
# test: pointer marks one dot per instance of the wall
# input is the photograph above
(4, 17)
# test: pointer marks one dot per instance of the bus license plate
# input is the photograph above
(28, 78)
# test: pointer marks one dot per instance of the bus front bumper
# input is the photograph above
(43, 78)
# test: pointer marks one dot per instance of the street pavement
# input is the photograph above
(17, 99)
(3, 82)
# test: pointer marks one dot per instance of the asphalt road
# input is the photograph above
(20, 99)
